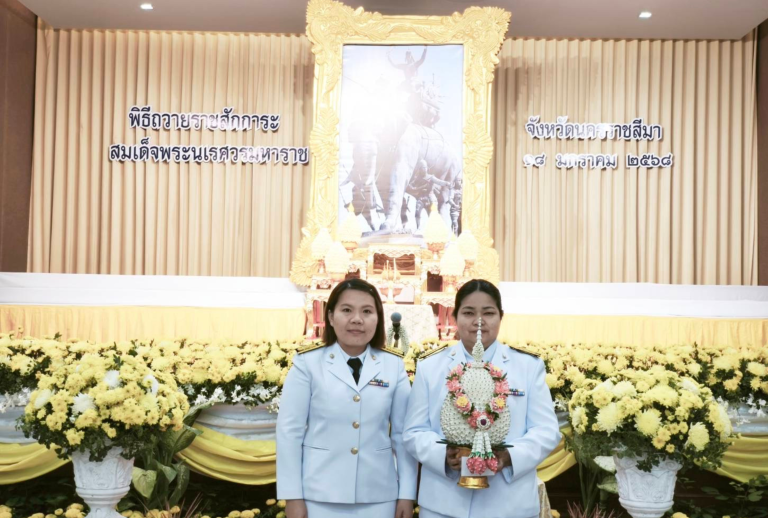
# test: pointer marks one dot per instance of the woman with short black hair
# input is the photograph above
(533, 431)
(339, 402)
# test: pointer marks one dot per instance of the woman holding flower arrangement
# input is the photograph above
(520, 389)
(341, 418)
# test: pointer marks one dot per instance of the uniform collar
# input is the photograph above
(497, 354)
(336, 360)
(347, 357)
(487, 355)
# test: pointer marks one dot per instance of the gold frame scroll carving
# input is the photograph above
(331, 25)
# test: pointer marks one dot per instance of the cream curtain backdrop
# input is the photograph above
(694, 223)
(90, 215)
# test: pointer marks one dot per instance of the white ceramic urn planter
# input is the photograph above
(644, 494)
(101, 485)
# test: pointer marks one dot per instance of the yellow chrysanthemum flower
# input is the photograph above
(648, 422)
(698, 436)
(601, 397)
(758, 369)
(609, 418)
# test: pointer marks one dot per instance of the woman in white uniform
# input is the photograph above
(533, 432)
(340, 400)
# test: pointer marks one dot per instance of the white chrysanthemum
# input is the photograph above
(112, 379)
(42, 398)
(578, 416)
(689, 385)
(81, 403)
(155, 385)
(624, 388)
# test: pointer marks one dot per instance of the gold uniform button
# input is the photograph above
(354, 451)
(356, 399)
(355, 425)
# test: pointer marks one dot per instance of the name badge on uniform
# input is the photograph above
(378, 383)
(515, 392)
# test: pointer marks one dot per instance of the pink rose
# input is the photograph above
(453, 385)
(502, 387)
(472, 421)
(495, 371)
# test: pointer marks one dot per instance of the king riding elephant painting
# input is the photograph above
(401, 137)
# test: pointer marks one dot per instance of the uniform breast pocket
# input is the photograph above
(377, 403)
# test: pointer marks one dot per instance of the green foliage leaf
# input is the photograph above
(609, 484)
(144, 481)
(606, 463)
(168, 472)
(185, 438)
(181, 484)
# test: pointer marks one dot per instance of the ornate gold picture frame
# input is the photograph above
(332, 25)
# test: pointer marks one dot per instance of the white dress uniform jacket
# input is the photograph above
(333, 435)
(533, 434)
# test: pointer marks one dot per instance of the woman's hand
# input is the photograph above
(453, 458)
(404, 509)
(295, 509)
(503, 458)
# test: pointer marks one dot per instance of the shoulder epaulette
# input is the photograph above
(396, 352)
(432, 352)
(310, 347)
(524, 351)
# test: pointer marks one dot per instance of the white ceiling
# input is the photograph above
(672, 19)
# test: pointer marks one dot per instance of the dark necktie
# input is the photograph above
(356, 365)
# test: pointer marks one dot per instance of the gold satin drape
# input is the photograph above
(693, 223)
(253, 462)
(90, 215)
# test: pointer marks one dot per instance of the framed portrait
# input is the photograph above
(401, 126)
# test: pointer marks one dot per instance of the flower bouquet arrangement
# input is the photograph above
(475, 416)
(653, 415)
(101, 402)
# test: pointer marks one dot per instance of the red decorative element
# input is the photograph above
(480, 420)
(492, 464)
(476, 465)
